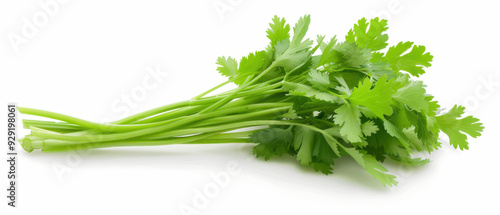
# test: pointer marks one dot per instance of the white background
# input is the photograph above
(89, 54)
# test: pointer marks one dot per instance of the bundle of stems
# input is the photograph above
(201, 120)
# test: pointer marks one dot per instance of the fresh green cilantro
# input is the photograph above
(315, 102)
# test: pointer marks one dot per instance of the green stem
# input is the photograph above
(195, 109)
(152, 129)
(229, 126)
(151, 112)
(140, 143)
(32, 142)
(211, 90)
(254, 89)
(240, 117)
(57, 126)
(58, 116)
(183, 112)
(240, 88)
(203, 136)
(51, 145)
(51, 125)
(131, 127)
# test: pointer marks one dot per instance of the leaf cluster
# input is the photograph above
(357, 98)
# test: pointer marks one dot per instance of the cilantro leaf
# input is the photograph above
(332, 142)
(413, 95)
(418, 144)
(412, 62)
(251, 65)
(227, 66)
(411, 161)
(373, 37)
(379, 69)
(378, 57)
(378, 99)
(328, 55)
(319, 80)
(278, 30)
(307, 91)
(349, 55)
(455, 128)
(322, 167)
(323, 155)
(348, 117)
(398, 134)
(369, 128)
(273, 142)
(300, 30)
(289, 57)
(303, 141)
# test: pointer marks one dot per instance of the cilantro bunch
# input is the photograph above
(317, 101)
